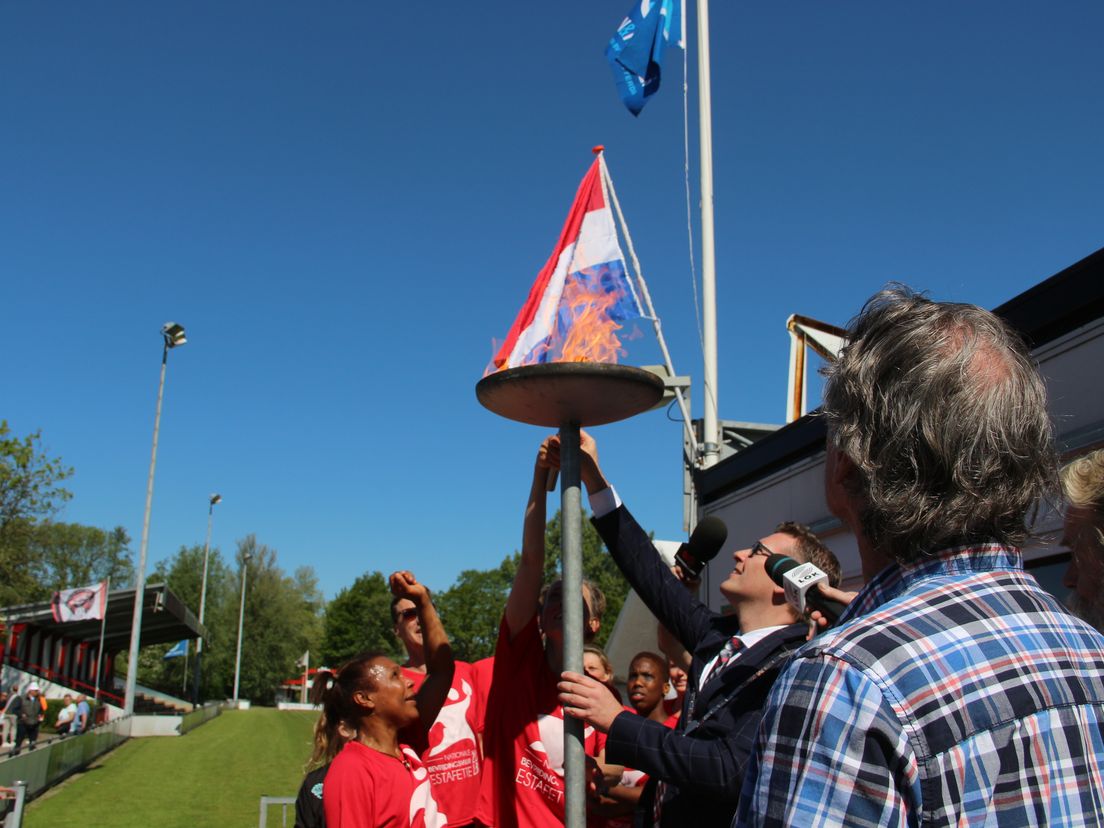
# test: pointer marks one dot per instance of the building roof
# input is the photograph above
(1052, 308)
(165, 619)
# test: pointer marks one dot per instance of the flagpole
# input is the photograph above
(711, 431)
(607, 182)
(306, 672)
(103, 627)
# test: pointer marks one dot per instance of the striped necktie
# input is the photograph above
(725, 655)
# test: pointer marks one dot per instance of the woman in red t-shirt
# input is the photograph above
(376, 779)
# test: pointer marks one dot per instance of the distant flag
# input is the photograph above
(635, 52)
(80, 604)
(180, 649)
(581, 296)
(304, 659)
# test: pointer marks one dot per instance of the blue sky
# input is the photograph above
(344, 203)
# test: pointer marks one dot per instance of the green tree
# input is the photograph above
(282, 619)
(71, 555)
(598, 567)
(471, 609)
(30, 481)
(358, 619)
(183, 573)
(30, 489)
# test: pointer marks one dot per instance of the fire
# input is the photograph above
(587, 323)
(590, 331)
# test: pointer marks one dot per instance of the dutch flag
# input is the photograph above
(584, 278)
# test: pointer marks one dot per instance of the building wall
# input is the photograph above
(1071, 366)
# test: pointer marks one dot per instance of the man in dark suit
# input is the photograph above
(696, 770)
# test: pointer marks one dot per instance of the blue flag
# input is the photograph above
(178, 650)
(635, 52)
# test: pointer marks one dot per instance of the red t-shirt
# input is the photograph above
(367, 788)
(483, 673)
(523, 741)
(635, 778)
(452, 758)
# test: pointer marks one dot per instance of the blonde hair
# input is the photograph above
(1083, 481)
(595, 650)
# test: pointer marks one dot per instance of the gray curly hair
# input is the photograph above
(943, 413)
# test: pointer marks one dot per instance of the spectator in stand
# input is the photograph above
(376, 780)
(66, 716)
(7, 720)
(453, 756)
(1083, 481)
(524, 736)
(83, 722)
(953, 690)
(29, 711)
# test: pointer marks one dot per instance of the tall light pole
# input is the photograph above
(215, 498)
(173, 335)
(241, 619)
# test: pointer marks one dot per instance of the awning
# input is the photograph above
(165, 619)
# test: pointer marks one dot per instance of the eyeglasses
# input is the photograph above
(760, 548)
(407, 614)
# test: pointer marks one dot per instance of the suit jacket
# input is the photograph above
(704, 758)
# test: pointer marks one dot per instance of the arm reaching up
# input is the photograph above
(524, 597)
(438, 652)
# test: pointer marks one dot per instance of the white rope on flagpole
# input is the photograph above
(607, 182)
(686, 181)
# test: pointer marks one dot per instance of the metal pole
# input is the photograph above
(140, 572)
(571, 517)
(241, 620)
(306, 674)
(99, 652)
(711, 436)
(203, 600)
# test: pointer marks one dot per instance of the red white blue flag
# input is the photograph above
(582, 296)
(80, 604)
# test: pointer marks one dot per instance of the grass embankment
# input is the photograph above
(213, 776)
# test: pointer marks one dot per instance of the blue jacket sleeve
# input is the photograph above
(687, 618)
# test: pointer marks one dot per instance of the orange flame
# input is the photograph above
(585, 330)
(591, 334)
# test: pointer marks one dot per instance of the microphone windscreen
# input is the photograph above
(778, 565)
(708, 538)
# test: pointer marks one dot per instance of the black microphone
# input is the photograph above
(705, 542)
(799, 580)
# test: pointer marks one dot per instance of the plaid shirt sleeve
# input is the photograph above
(830, 752)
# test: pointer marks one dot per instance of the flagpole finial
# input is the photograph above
(598, 150)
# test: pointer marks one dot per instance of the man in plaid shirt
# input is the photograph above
(953, 690)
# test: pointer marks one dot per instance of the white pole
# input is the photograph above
(99, 653)
(607, 181)
(306, 674)
(711, 436)
(241, 621)
(215, 498)
(140, 572)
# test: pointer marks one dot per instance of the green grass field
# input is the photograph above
(213, 776)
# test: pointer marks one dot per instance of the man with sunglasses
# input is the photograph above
(696, 770)
(453, 758)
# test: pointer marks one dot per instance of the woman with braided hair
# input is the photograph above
(372, 711)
